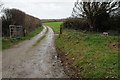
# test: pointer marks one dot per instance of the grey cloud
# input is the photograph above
(43, 9)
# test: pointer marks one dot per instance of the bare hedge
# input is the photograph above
(76, 23)
(17, 17)
(113, 23)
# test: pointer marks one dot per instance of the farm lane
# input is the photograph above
(26, 61)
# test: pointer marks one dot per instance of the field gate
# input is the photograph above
(16, 31)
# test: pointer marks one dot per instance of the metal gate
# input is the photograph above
(16, 31)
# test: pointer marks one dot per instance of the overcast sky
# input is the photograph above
(43, 9)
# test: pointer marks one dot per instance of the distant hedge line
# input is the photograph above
(112, 23)
(17, 17)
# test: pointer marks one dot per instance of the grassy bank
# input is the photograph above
(54, 25)
(90, 54)
(10, 42)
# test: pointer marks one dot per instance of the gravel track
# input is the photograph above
(27, 61)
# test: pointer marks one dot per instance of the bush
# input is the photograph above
(111, 23)
(76, 23)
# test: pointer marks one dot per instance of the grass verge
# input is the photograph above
(39, 40)
(88, 55)
(54, 25)
(10, 42)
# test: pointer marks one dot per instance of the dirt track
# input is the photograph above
(26, 61)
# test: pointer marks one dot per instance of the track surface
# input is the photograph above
(27, 61)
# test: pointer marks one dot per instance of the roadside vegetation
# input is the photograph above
(30, 24)
(88, 54)
(7, 43)
(91, 55)
(18, 17)
(54, 25)
(83, 44)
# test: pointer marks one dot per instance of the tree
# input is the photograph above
(1, 4)
(6, 14)
(6, 21)
(95, 12)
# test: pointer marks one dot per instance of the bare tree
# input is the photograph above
(6, 14)
(92, 10)
(1, 4)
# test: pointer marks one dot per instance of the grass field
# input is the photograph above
(88, 52)
(54, 25)
(10, 42)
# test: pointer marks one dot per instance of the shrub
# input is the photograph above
(76, 23)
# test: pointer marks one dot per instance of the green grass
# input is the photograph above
(10, 42)
(39, 40)
(54, 25)
(92, 57)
